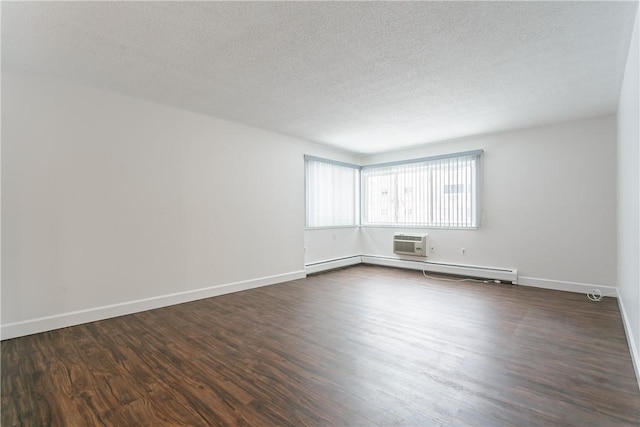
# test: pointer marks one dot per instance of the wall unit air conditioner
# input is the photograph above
(410, 244)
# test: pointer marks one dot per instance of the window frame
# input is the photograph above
(360, 199)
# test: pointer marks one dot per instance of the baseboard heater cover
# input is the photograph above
(331, 264)
(492, 273)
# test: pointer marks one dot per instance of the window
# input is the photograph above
(332, 193)
(439, 191)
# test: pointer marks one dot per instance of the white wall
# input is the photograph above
(549, 205)
(629, 198)
(324, 244)
(108, 199)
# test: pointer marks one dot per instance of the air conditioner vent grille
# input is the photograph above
(404, 246)
(405, 237)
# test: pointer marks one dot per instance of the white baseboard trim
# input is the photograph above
(633, 348)
(49, 323)
(560, 285)
(331, 264)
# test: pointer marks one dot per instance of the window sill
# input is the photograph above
(422, 227)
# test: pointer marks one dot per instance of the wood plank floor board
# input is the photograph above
(359, 346)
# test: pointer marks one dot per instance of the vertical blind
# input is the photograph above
(332, 193)
(437, 192)
(434, 192)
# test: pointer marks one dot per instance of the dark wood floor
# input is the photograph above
(360, 346)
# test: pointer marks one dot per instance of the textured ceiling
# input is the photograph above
(363, 76)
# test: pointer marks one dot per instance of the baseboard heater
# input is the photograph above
(331, 264)
(491, 273)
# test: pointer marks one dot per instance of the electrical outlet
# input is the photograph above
(463, 251)
(334, 237)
